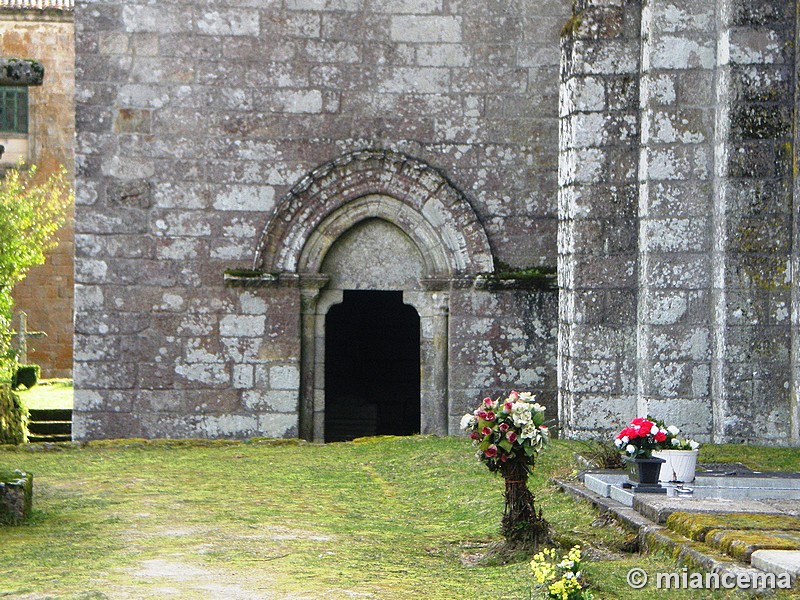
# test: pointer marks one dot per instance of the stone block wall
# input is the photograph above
(598, 228)
(502, 340)
(195, 123)
(757, 216)
(46, 294)
(714, 280)
(676, 213)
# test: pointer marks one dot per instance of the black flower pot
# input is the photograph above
(645, 470)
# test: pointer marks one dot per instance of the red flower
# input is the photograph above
(489, 416)
(503, 427)
(481, 414)
(491, 451)
(486, 431)
(512, 437)
(660, 436)
(475, 435)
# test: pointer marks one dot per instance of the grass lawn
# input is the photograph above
(385, 518)
(49, 394)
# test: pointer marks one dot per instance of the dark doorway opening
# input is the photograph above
(372, 366)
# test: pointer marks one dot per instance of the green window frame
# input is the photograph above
(14, 110)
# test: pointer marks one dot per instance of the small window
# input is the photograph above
(14, 110)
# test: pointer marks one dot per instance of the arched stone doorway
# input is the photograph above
(379, 222)
(372, 352)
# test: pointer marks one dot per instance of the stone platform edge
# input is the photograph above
(652, 536)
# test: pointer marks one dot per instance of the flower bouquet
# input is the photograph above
(507, 429)
(640, 438)
(509, 433)
(637, 441)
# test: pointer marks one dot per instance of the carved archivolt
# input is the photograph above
(375, 184)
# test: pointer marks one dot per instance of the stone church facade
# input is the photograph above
(327, 217)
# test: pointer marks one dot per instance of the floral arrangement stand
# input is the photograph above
(644, 475)
(509, 433)
(680, 465)
(637, 441)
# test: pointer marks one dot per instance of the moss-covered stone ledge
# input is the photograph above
(16, 497)
(21, 71)
(509, 278)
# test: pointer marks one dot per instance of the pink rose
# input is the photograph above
(514, 396)
(482, 414)
(508, 407)
(512, 437)
(503, 427)
(491, 451)
(487, 401)
(490, 416)
(503, 457)
(486, 431)
(475, 435)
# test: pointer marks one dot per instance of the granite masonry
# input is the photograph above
(42, 30)
(246, 170)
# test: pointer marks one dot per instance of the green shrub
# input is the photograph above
(27, 375)
(13, 417)
(31, 211)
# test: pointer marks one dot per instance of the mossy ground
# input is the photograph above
(385, 518)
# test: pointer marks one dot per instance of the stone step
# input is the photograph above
(741, 544)
(50, 427)
(778, 562)
(40, 439)
(50, 414)
(696, 526)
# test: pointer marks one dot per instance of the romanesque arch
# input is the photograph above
(424, 203)
(409, 199)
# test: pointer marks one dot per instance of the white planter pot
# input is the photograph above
(680, 465)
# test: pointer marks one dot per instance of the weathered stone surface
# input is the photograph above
(16, 497)
(710, 337)
(417, 146)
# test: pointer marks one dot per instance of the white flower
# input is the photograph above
(676, 442)
(529, 431)
(694, 445)
(467, 421)
(630, 449)
(521, 413)
(618, 442)
(673, 430)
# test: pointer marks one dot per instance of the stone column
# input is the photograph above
(597, 261)
(310, 287)
(754, 295)
(676, 196)
(434, 320)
